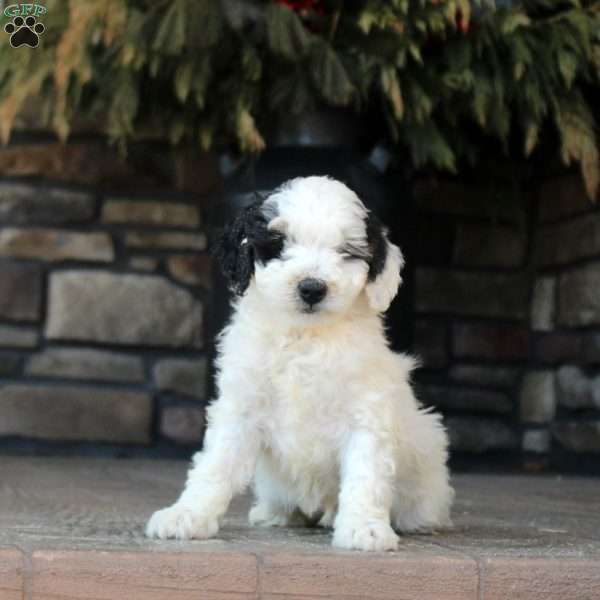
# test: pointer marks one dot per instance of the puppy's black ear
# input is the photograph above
(376, 239)
(234, 249)
(385, 263)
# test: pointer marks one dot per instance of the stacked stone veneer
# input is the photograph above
(104, 280)
(508, 317)
(101, 317)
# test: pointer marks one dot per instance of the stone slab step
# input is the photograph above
(71, 529)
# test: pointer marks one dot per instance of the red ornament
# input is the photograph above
(462, 24)
(304, 7)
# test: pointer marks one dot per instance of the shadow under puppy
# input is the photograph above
(313, 406)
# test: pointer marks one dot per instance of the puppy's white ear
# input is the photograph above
(384, 267)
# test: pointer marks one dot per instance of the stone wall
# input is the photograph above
(104, 276)
(508, 326)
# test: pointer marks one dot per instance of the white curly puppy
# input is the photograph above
(313, 405)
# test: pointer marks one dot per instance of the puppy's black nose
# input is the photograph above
(312, 291)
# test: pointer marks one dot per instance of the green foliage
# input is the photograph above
(446, 73)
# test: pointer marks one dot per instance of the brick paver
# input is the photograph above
(72, 529)
(11, 574)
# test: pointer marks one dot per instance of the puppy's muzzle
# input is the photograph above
(312, 291)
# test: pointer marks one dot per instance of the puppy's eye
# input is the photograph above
(350, 252)
(269, 247)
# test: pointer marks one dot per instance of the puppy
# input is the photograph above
(313, 406)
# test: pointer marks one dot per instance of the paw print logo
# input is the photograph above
(24, 32)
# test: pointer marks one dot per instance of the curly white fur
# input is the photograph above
(313, 405)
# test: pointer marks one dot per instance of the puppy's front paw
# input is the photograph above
(181, 523)
(373, 536)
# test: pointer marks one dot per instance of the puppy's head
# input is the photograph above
(311, 249)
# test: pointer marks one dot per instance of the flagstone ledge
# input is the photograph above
(73, 529)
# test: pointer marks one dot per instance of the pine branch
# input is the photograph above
(446, 74)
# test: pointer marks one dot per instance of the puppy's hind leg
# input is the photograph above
(274, 506)
(423, 493)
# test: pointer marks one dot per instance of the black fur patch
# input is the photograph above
(245, 241)
(377, 246)
(268, 245)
